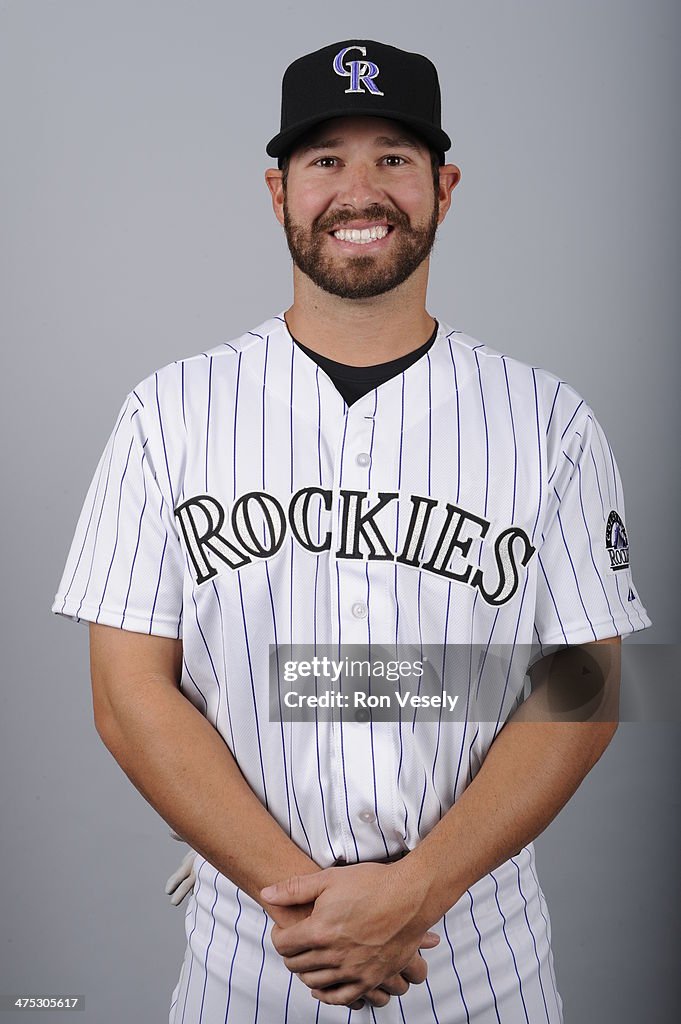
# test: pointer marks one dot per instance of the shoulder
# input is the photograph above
(555, 403)
(179, 380)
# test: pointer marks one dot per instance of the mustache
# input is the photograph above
(396, 218)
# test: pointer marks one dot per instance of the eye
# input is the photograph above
(325, 161)
(395, 160)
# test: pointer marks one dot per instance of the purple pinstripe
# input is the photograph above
(366, 571)
(137, 543)
(99, 519)
(514, 861)
(340, 724)
(482, 955)
(231, 966)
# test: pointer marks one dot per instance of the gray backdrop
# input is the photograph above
(135, 228)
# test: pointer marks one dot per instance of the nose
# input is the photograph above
(359, 185)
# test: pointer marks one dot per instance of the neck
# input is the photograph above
(361, 332)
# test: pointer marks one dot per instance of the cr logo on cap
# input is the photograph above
(360, 72)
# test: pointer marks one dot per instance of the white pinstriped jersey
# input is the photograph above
(240, 503)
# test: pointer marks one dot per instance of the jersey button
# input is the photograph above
(359, 610)
(363, 459)
(362, 715)
(367, 816)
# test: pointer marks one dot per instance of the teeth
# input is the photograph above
(361, 237)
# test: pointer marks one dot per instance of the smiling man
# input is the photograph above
(353, 472)
(366, 256)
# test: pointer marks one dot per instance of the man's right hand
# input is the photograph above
(182, 881)
(414, 973)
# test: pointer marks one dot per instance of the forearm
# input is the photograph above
(530, 772)
(184, 769)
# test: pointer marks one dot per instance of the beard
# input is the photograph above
(361, 276)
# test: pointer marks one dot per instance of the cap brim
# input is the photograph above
(285, 141)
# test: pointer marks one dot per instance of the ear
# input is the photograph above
(274, 180)
(450, 175)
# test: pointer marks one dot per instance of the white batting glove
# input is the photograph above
(181, 881)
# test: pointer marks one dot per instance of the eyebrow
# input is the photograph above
(396, 141)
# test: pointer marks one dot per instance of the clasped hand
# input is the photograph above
(362, 937)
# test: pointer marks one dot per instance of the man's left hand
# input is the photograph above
(366, 926)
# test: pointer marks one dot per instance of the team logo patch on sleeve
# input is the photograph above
(617, 542)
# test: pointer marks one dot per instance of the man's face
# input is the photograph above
(360, 206)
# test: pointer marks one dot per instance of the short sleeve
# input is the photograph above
(585, 590)
(125, 566)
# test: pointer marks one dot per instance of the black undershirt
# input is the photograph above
(355, 381)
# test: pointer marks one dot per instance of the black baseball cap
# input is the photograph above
(360, 77)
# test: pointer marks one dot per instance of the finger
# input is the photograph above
(296, 939)
(346, 995)
(416, 970)
(311, 960)
(429, 940)
(325, 979)
(377, 997)
(396, 985)
(296, 889)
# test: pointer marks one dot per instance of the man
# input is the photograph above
(356, 472)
